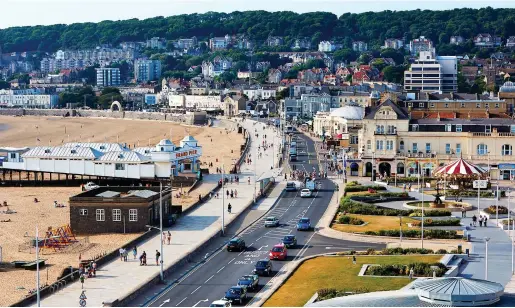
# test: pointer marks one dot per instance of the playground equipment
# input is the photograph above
(57, 239)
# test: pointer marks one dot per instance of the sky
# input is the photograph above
(47, 12)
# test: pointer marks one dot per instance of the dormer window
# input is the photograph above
(120, 155)
(47, 151)
(73, 151)
(102, 147)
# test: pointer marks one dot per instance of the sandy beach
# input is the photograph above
(218, 145)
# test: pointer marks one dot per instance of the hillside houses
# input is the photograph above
(216, 67)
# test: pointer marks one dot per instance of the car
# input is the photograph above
(221, 303)
(305, 193)
(236, 244)
(251, 282)
(278, 252)
(304, 224)
(263, 268)
(236, 294)
(90, 186)
(290, 241)
(271, 222)
(290, 186)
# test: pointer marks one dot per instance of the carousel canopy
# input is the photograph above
(460, 167)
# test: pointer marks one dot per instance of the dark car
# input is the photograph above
(251, 282)
(236, 244)
(263, 268)
(236, 294)
(290, 241)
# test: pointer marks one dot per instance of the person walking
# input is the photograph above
(158, 254)
(235, 193)
(229, 208)
(164, 238)
(121, 254)
(411, 272)
(125, 254)
(480, 220)
(94, 268)
(485, 220)
(134, 252)
(353, 259)
(169, 237)
(228, 193)
(82, 278)
(474, 220)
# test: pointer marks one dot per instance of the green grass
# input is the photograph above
(374, 223)
(339, 273)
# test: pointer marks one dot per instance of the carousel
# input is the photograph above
(459, 173)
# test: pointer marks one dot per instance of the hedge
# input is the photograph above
(472, 193)
(347, 220)
(431, 213)
(428, 222)
(328, 293)
(347, 205)
(419, 269)
(428, 234)
(363, 188)
(396, 251)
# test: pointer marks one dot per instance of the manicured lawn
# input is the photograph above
(339, 273)
(375, 223)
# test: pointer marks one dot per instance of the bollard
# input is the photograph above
(459, 249)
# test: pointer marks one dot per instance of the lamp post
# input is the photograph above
(400, 229)
(497, 204)
(38, 297)
(161, 274)
(373, 165)
(486, 257)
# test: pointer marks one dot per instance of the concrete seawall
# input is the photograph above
(193, 118)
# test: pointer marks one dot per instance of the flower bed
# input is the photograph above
(419, 269)
(431, 206)
(492, 210)
(428, 222)
(428, 234)
(347, 205)
(368, 188)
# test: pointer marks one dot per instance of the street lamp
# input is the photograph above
(38, 297)
(161, 271)
(486, 257)
(373, 165)
(400, 229)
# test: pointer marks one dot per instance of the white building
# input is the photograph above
(108, 159)
(260, 93)
(420, 44)
(393, 43)
(197, 102)
(156, 42)
(328, 46)
(432, 74)
(359, 46)
(107, 77)
(27, 98)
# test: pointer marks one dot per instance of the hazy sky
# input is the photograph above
(46, 12)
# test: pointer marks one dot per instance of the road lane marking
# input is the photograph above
(209, 278)
(181, 301)
(220, 269)
(196, 290)
(231, 260)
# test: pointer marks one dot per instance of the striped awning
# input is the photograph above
(460, 167)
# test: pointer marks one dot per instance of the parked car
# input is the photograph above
(236, 244)
(90, 186)
(304, 224)
(263, 267)
(278, 252)
(271, 222)
(221, 303)
(290, 241)
(251, 282)
(305, 193)
(236, 294)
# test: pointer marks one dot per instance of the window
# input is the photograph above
(482, 149)
(117, 215)
(447, 148)
(369, 145)
(380, 129)
(400, 168)
(462, 105)
(389, 144)
(133, 215)
(446, 105)
(487, 105)
(478, 105)
(415, 147)
(83, 212)
(458, 148)
(506, 150)
(448, 127)
(428, 148)
(13, 155)
(488, 128)
(496, 105)
(512, 129)
(401, 145)
(100, 215)
(353, 139)
(119, 167)
(432, 105)
(414, 127)
(421, 105)
(459, 128)
(379, 144)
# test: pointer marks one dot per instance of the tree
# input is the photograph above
(4, 85)
(479, 86)
(345, 55)
(394, 73)
(284, 93)
(396, 55)
(108, 96)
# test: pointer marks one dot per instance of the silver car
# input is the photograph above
(271, 222)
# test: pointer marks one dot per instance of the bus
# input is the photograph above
(293, 154)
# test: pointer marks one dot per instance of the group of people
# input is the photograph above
(124, 253)
(482, 220)
(167, 237)
(143, 258)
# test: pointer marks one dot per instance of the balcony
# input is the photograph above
(385, 133)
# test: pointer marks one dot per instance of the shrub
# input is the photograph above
(347, 205)
(441, 251)
(410, 179)
(352, 183)
(355, 188)
(428, 222)
(492, 209)
(428, 234)
(432, 213)
(406, 251)
(419, 269)
(348, 220)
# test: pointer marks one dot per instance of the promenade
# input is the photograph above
(117, 279)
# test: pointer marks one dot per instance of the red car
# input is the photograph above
(279, 252)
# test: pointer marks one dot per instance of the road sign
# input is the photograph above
(480, 184)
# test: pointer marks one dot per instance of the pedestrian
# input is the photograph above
(82, 278)
(134, 252)
(474, 219)
(199, 198)
(480, 220)
(169, 237)
(228, 193)
(94, 267)
(411, 272)
(164, 238)
(353, 259)
(485, 220)
(158, 254)
(249, 180)
(229, 208)
(121, 254)
(235, 194)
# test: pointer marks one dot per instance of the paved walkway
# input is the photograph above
(118, 278)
